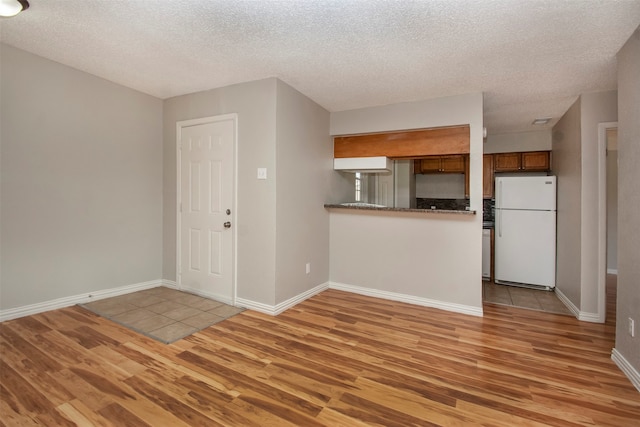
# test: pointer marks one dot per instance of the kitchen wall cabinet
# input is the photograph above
(441, 164)
(536, 161)
(487, 176)
(533, 161)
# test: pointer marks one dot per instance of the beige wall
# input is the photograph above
(255, 104)
(612, 200)
(440, 186)
(81, 199)
(567, 167)
(281, 222)
(304, 175)
(629, 196)
(518, 141)
(418, 255)
(404, 184)
(575, 162)
(596, 108)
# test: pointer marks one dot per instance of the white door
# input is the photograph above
(206, 207)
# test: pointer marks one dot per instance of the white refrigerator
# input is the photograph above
(525, 231)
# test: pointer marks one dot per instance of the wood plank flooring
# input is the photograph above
(337, 359)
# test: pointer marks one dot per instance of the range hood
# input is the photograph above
(363, 164)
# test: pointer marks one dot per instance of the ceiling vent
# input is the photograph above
(541, 121)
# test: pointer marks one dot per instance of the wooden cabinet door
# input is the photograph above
(453, 164)
(506, 162)
(536, 161)
(487, 176)
(417, 168)
(441, 164)
(430, 164)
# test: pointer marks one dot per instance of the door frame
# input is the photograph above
(602, 218)
(234, 208)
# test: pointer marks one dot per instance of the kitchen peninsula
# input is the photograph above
(430, 257)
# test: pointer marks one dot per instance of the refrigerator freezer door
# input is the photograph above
(527, 192)
(525, 247)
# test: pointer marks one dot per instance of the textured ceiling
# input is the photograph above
(531, 58)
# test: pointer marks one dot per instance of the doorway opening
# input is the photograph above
(607, 209)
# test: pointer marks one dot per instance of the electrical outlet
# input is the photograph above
(632, 328)
(308, 267)
(262, 173)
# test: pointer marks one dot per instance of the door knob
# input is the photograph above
(227, 224)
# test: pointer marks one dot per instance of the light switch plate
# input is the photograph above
(262, 173)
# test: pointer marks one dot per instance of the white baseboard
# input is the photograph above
(580, 315)
(566, 301)
(612, 271)
(274, 310)
(256, 306)
(410, 299)
(590, 317)
(27, 310)
(626, 368)
(279, 308)
(169, 283)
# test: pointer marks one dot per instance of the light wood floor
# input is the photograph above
(337, 359)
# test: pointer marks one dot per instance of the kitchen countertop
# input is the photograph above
(387, 209)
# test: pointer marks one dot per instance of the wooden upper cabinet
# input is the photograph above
(536, 161)
(441, 164)
(487, 176)
(526, 161)
(430, 165)
(506, 162)
(453, 164)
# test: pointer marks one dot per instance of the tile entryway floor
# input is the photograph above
(532, 299)
(164, 314)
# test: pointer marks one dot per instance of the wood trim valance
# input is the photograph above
(404, 144)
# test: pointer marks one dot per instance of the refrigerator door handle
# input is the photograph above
(499, 213)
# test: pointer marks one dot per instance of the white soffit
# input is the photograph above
(530, 58)
(363, 164)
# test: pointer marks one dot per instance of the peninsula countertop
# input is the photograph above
(373, 207)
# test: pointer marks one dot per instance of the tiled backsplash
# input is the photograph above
(458, 205)
(445, 204)
(487, 210)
